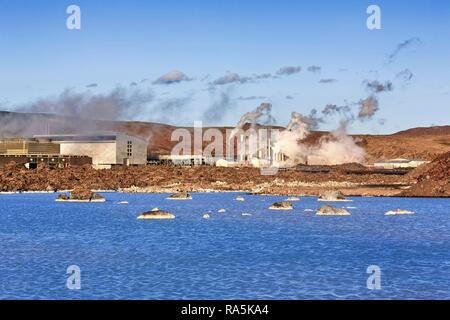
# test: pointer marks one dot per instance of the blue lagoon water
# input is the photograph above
(268, 255)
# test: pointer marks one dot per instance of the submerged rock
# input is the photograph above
(180, 196)
(240, 198)
(156, 214)
(332, 211)
(80, 195)
(284, 205)
(293, 199)
(332, 196)
(246, 214)
(398, 212)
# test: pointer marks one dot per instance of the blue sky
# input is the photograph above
(121, 42)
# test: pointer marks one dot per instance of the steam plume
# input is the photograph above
(335, 148)
(252, 117)
(378, 87)
(118, 104)
(368, 107)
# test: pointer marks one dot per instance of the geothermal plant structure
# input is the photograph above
(32, 152)
(106, 150)
(257, 150)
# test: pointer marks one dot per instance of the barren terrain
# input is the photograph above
(417, 143)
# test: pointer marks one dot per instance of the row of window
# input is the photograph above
(129, 148)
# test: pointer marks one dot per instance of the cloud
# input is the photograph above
(171, 78)
(251, 98)
(405, 75)
(231, 78)
(331, 109)
(402, 46)
(263, 76)
(92, 85)
(327, 80)
(133, 84)
(289, 97)
(314, 69)
(382, 122)
(288, 70)
(378, 87)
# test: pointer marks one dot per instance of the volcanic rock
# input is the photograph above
(332, 211)
(180, 196)
(81, 195)
(284, 205)
(332, 196)
(433, 179)
(156, 214)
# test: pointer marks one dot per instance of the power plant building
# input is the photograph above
(20, 146)
(32, 152)
(106, 150)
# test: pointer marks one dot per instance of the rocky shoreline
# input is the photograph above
(431, 180)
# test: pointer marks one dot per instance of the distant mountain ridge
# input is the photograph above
(417, 143)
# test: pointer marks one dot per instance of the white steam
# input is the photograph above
(333, 149)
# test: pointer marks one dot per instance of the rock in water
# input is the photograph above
(332, 211)
(398, 212)
(293, 199)
(222, 211)
(332, 196)
(240, 198)
(81, 195)
(180, 196)
(206, 216)
(284, 205)
(156, 214)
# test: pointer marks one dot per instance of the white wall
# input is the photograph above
(106, 153)
(139, 150)
(102, 153)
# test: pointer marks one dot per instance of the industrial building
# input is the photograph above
(106, 150)
(252, 148)
(256, 149)
(31, 152)
(399, 164)
(19, 146)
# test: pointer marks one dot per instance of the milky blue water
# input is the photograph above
(268, 255)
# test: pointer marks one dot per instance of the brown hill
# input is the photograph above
(416, 143)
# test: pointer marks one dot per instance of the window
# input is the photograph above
(129, 148)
